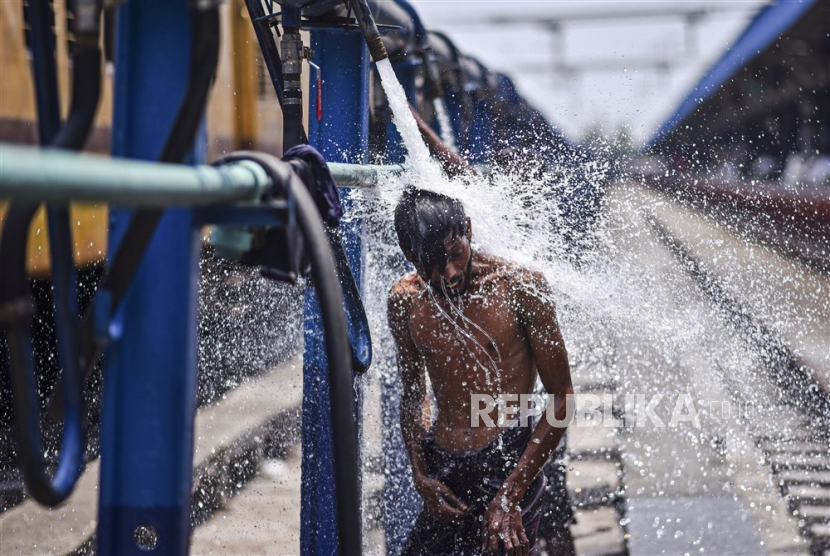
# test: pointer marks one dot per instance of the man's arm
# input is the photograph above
(453, 163)
(438, 498)
(411, 371)
(538, 315)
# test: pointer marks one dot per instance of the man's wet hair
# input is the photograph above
(423, 219)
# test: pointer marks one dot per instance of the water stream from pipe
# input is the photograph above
(417, 153)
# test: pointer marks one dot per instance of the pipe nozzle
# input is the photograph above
(370, 30)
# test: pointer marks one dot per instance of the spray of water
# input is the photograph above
(628, 311)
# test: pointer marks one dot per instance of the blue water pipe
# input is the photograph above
(341, 135)
(149, 396)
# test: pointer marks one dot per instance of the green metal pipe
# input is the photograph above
(51, 175)
(362, 175)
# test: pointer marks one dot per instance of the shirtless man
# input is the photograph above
(476, 324)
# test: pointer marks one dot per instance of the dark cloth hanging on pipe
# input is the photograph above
(319, 182)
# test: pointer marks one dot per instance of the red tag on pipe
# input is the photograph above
(319, 99)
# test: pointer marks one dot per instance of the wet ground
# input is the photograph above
(708, 489)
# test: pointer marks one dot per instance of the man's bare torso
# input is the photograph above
(461, 358)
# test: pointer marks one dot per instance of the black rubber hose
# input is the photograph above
(39, 16)
(16, 313)
(370, 30)
(16, 304)
(15, 284)
(86, 91)
(360, 337)
(204, 57)
(338, 354)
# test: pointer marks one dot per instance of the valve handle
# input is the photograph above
(318, 71)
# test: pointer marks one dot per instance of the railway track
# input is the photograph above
(796, 453)
(596, 476)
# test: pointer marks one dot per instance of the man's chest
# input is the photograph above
(456, 330)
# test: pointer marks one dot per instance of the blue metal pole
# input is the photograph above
(150, 375)
(401, 502)
(342, 135)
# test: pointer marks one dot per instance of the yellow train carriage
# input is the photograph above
(243, 113)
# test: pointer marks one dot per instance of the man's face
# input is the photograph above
(456, 276)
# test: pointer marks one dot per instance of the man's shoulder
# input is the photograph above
(401, 299)
(403, 294)
(407, 286)
(509, 273)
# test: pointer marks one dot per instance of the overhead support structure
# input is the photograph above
(678, 11)
(769, 24)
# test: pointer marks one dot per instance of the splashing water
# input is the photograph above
(417, 153)
(629, 312)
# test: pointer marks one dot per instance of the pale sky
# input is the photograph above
(630, 71)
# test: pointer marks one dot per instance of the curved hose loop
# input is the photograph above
(463, 96)
(433, 89)
(17, 311)
(420, 30)
(86, 91)
(327, 287)
(78, 358)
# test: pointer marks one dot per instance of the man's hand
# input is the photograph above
(440, 500)
(503, 523)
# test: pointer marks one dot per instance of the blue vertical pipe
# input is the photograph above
(150, 375)
(401, 503)
(342, 135)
